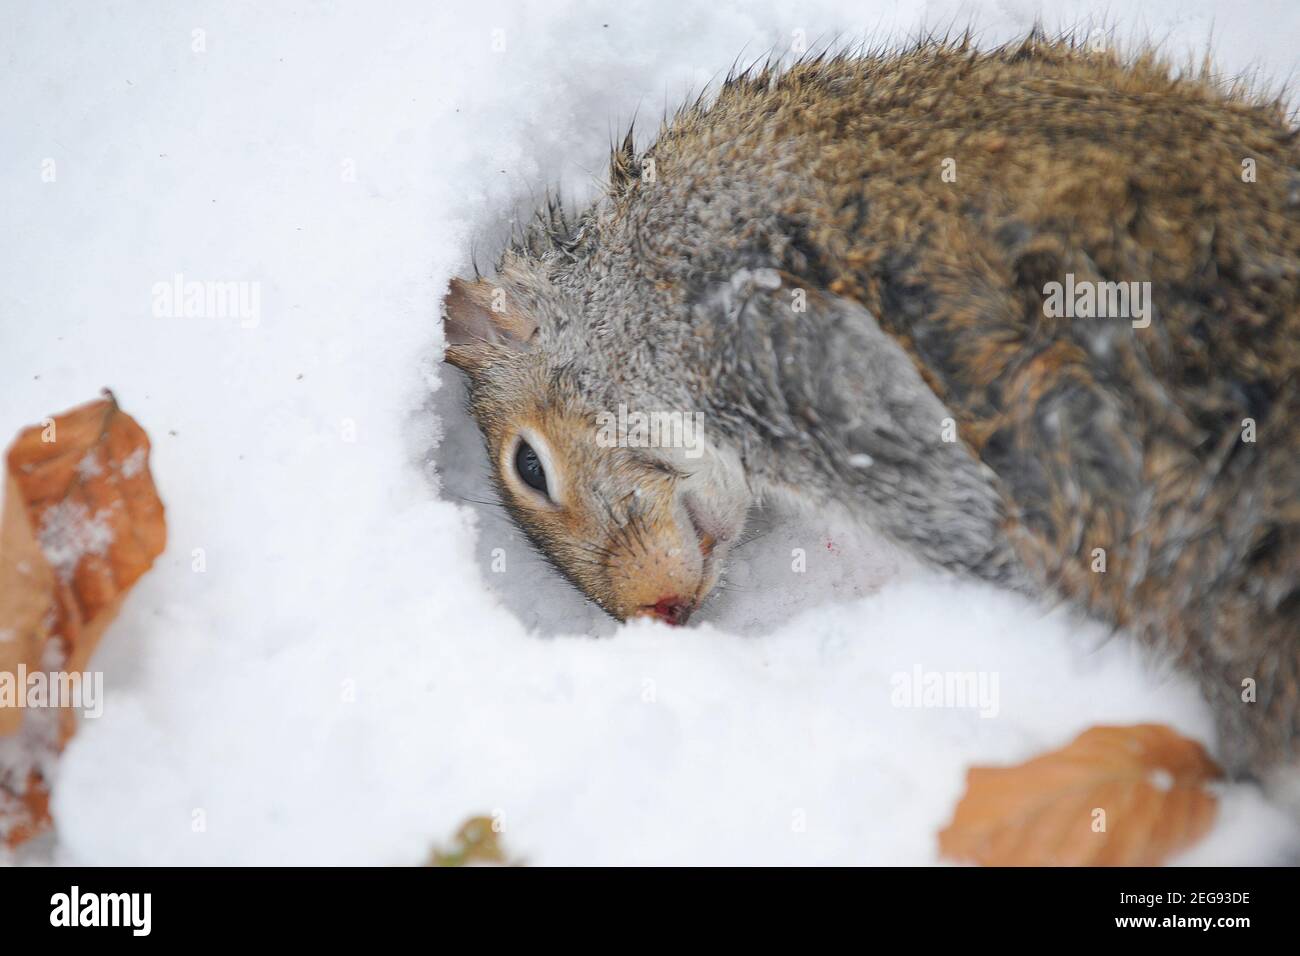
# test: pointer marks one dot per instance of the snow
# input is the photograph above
(68, 532)
(324, 667)
(88, 467)
(133, 464)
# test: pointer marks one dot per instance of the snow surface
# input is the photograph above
(323, 668)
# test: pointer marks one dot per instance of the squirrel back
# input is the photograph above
(1033, 313)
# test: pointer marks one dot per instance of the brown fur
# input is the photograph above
(1097, 435)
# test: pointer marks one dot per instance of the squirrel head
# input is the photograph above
(642, 527)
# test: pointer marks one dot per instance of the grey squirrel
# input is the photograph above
(891, 282)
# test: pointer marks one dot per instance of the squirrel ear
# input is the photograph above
(479, 321)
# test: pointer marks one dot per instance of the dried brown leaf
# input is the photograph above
(1115, 796)
(81, 522)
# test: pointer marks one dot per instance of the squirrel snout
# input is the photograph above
(674, 610)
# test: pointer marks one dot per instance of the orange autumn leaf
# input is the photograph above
(81, 523)
(1115, 796)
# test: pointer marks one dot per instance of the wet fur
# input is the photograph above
(925, 302)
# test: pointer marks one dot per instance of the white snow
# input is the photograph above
(68, 532)
(89, 466)
(323, 667)
(132, 464)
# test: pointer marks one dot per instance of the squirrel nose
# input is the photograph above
(671, 609)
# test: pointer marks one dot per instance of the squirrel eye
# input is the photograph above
(529, 467)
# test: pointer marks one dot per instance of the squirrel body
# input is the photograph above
(843, 266)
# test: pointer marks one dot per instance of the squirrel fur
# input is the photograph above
(856, 328)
